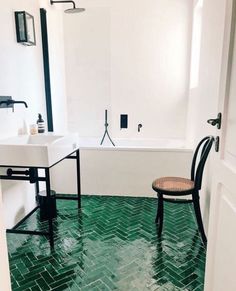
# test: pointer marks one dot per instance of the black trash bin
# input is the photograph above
(47, 206)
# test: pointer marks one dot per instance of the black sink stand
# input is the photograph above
(31, 175)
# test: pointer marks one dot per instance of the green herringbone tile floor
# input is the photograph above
(112, 245)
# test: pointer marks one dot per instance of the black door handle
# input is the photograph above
(216, 121)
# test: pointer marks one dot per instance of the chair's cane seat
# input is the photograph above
(173, 184)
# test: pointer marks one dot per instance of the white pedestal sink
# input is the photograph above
(41, 150)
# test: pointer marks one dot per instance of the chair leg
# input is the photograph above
(197, 210)
(158, 208)
(159, 217)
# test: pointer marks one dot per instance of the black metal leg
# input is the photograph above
(197, 210)
(78, 179)
(161, 213)
(158, 209)
(50, 225)
(36, 185)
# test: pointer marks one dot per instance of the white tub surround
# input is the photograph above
(126, 169)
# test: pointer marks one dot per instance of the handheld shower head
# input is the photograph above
(71, 10)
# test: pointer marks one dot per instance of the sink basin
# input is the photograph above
(40, 150)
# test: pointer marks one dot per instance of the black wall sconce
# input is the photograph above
(25, 30)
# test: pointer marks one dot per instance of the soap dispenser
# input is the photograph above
(41, 125)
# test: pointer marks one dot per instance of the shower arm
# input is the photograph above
(63, 1)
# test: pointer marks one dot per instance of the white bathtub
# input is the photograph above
(126, 169)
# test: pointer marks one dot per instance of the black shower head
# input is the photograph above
(71, 10)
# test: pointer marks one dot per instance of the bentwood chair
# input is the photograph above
(176, 186)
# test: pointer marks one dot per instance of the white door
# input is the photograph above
(221, 251)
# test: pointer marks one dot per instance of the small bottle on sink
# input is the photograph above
(33, 129)
(41, 124)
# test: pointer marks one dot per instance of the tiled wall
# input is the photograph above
(131, 58)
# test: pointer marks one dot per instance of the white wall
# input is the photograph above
(150, 51)
(21, 76)
(4, 265)
(87, 59)
(129, 57)
(203, 98)
(57, 65)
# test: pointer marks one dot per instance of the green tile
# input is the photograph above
(112, 245)
(60, 282)
(35, 288)
(43, 284)
(25, 286)
(61, 288)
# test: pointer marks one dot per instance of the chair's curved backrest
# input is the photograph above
(196, 172)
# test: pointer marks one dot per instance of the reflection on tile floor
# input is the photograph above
(111, 246)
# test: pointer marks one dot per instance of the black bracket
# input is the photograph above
(4, 102)
(32, 173)
(11, 172)
(216, 121)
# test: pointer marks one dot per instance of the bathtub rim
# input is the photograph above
(92, 143)
(131, 149)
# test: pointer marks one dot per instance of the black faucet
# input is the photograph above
(139, 127)
(12, 102)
